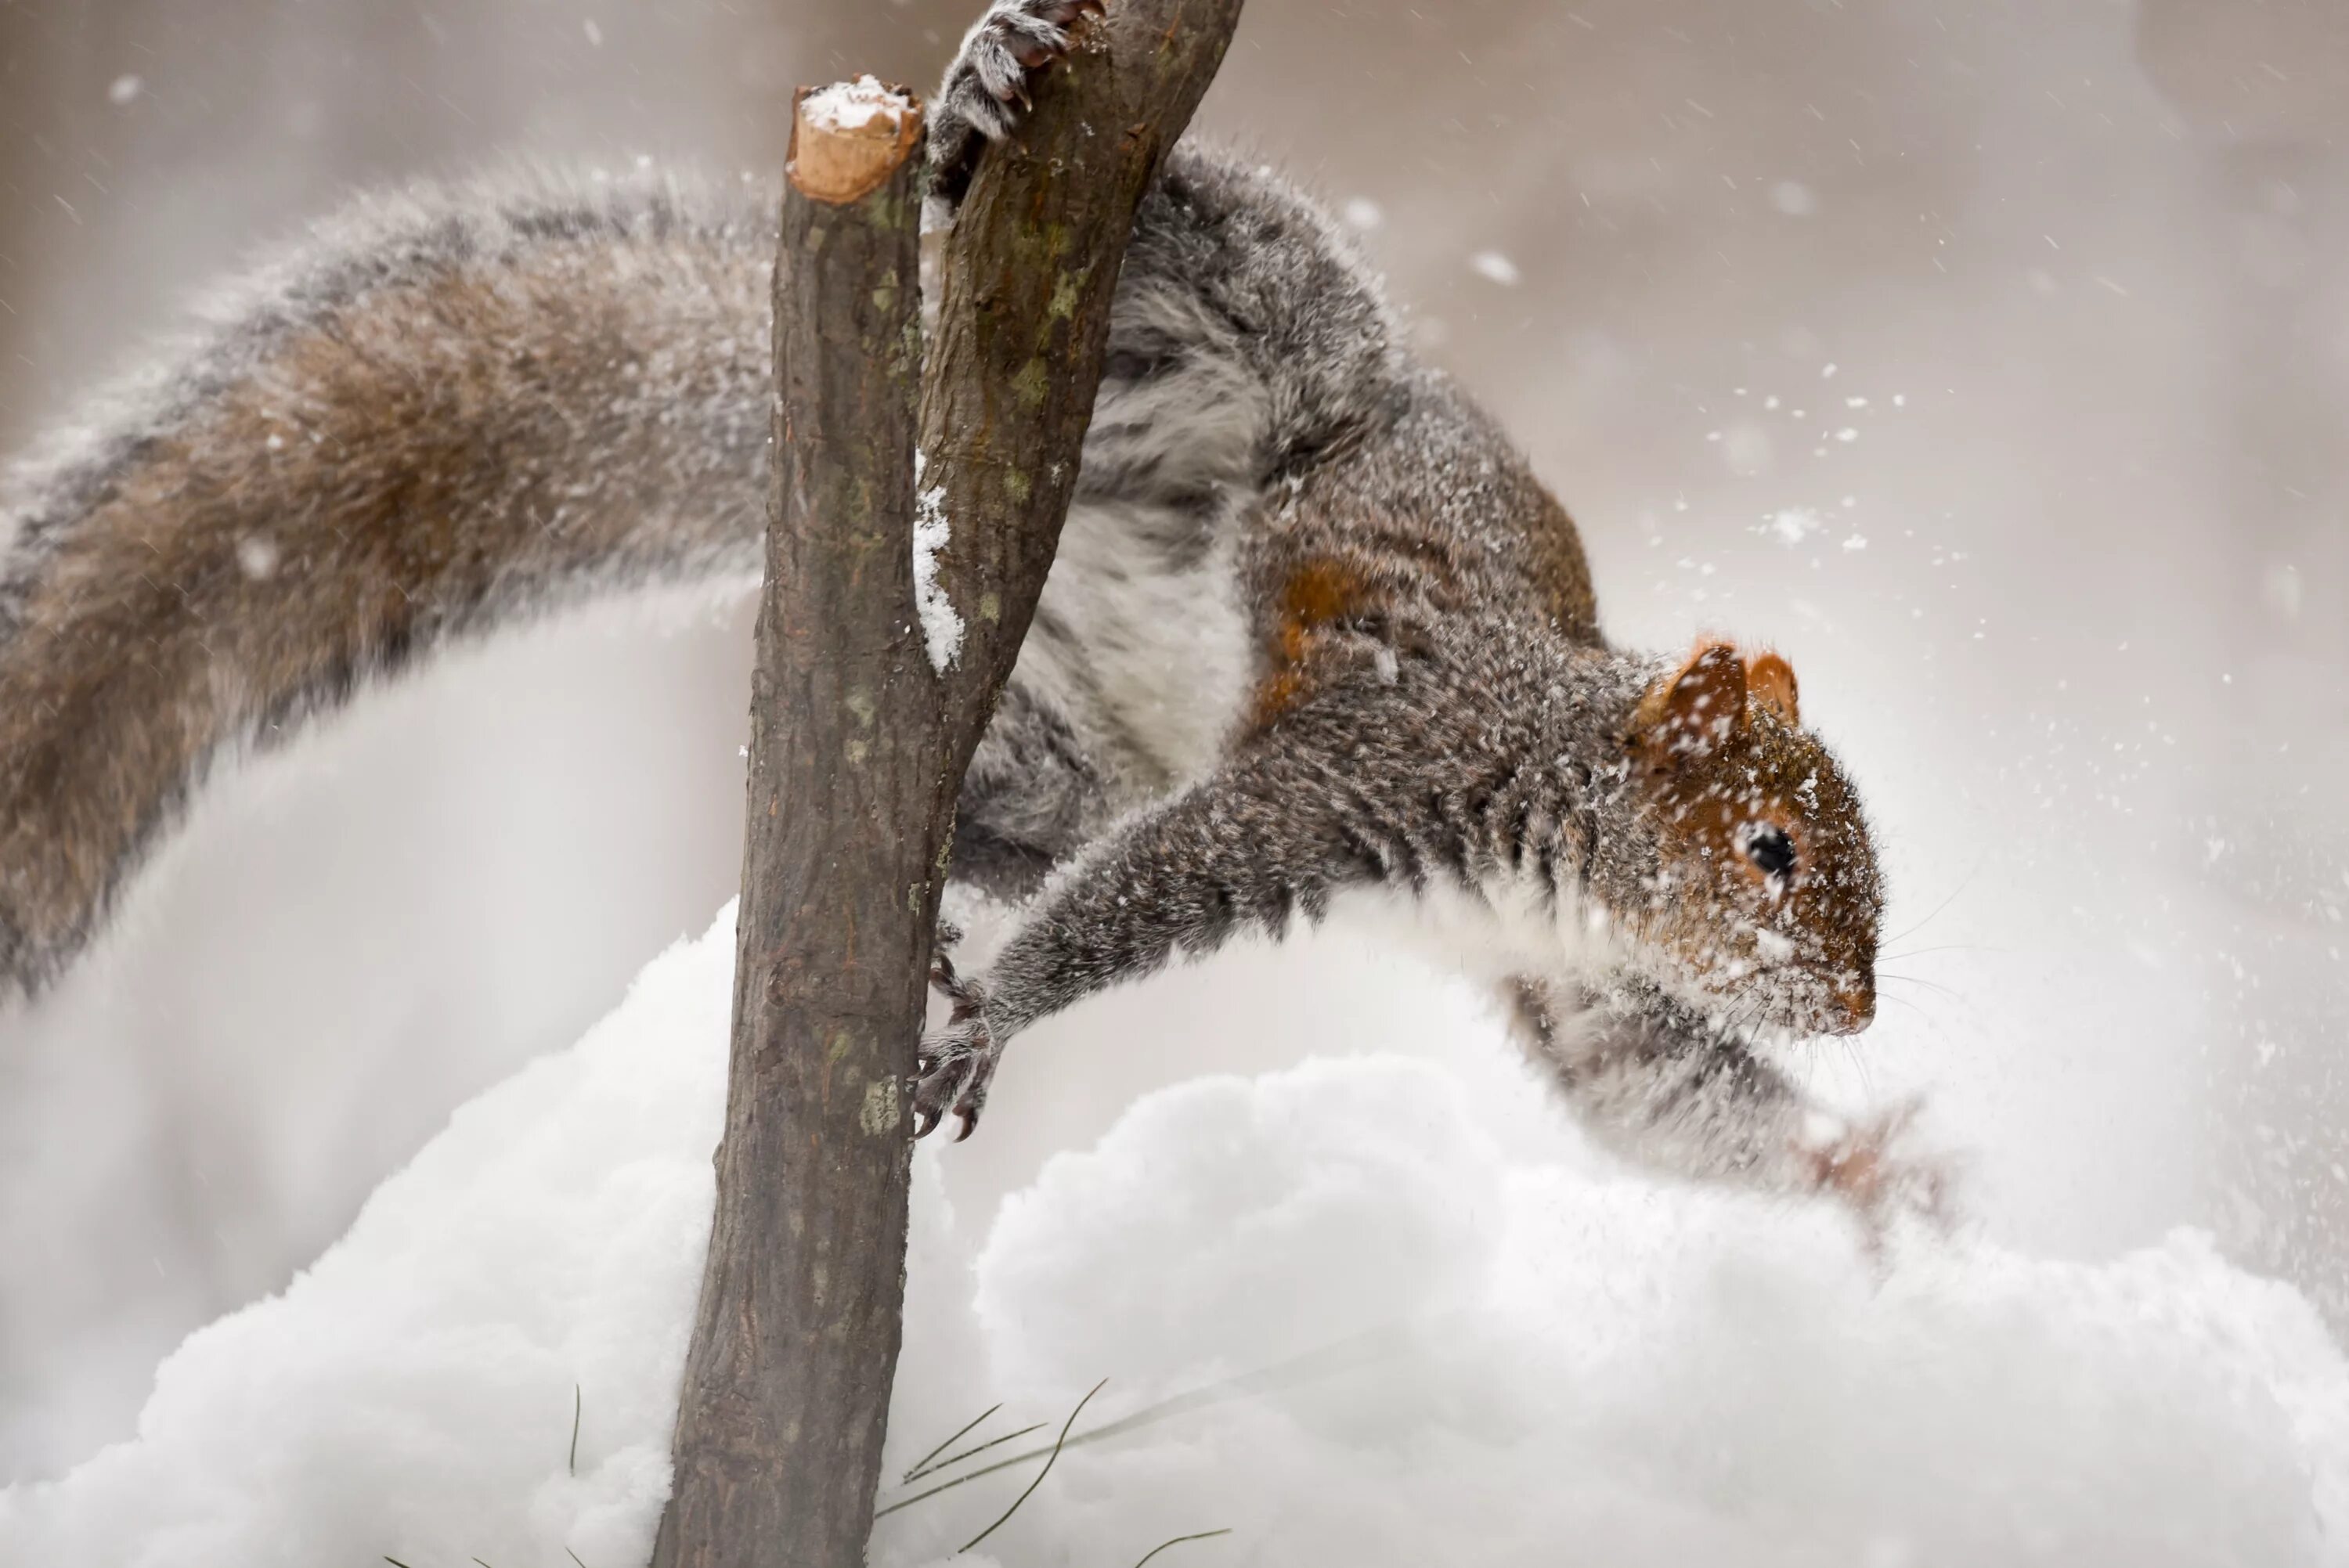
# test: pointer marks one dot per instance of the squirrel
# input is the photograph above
(1315, 632)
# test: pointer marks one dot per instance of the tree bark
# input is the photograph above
(859, 738)
(1023, 316)
(786, 1385)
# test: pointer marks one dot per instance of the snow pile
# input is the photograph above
(412, 1393)
(1528, 1358)
(1386, 1339)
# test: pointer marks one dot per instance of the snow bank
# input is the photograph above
(1474, 1355)
(411, 1394)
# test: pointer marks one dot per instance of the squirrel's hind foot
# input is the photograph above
(986, 88)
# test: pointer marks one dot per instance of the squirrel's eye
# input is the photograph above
(1772, 852)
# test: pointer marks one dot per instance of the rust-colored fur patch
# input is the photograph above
(1770, 681)
(1321, 595)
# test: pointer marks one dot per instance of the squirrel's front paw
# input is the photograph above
(1873, 1168)
(955, 1066)
(987, 86)
(952, 1073)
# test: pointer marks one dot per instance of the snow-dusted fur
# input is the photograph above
(1315, 625)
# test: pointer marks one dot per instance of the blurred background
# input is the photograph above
(1989, 358)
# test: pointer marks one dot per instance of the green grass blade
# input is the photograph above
(928, 1469)
(1203, 1535)
(1351, 1354)
(922, 1463)
(1041, 1473)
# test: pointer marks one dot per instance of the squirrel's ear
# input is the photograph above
(1695, 709)
(1770, 682)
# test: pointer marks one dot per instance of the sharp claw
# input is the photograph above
(969, 1119)
(924, 1128)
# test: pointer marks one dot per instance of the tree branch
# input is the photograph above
(1023, 316)
(864, 719)
(786, 1383)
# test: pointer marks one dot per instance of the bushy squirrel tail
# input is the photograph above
(448, 409)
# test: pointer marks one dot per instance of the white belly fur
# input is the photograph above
(1159, 655)
(1505, 930)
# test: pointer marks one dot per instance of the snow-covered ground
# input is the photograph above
(1472, 1353)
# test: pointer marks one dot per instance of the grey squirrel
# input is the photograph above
(1315, 631)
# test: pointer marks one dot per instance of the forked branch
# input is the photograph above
(860, 734)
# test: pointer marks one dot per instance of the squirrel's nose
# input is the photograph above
(1857, 1006)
